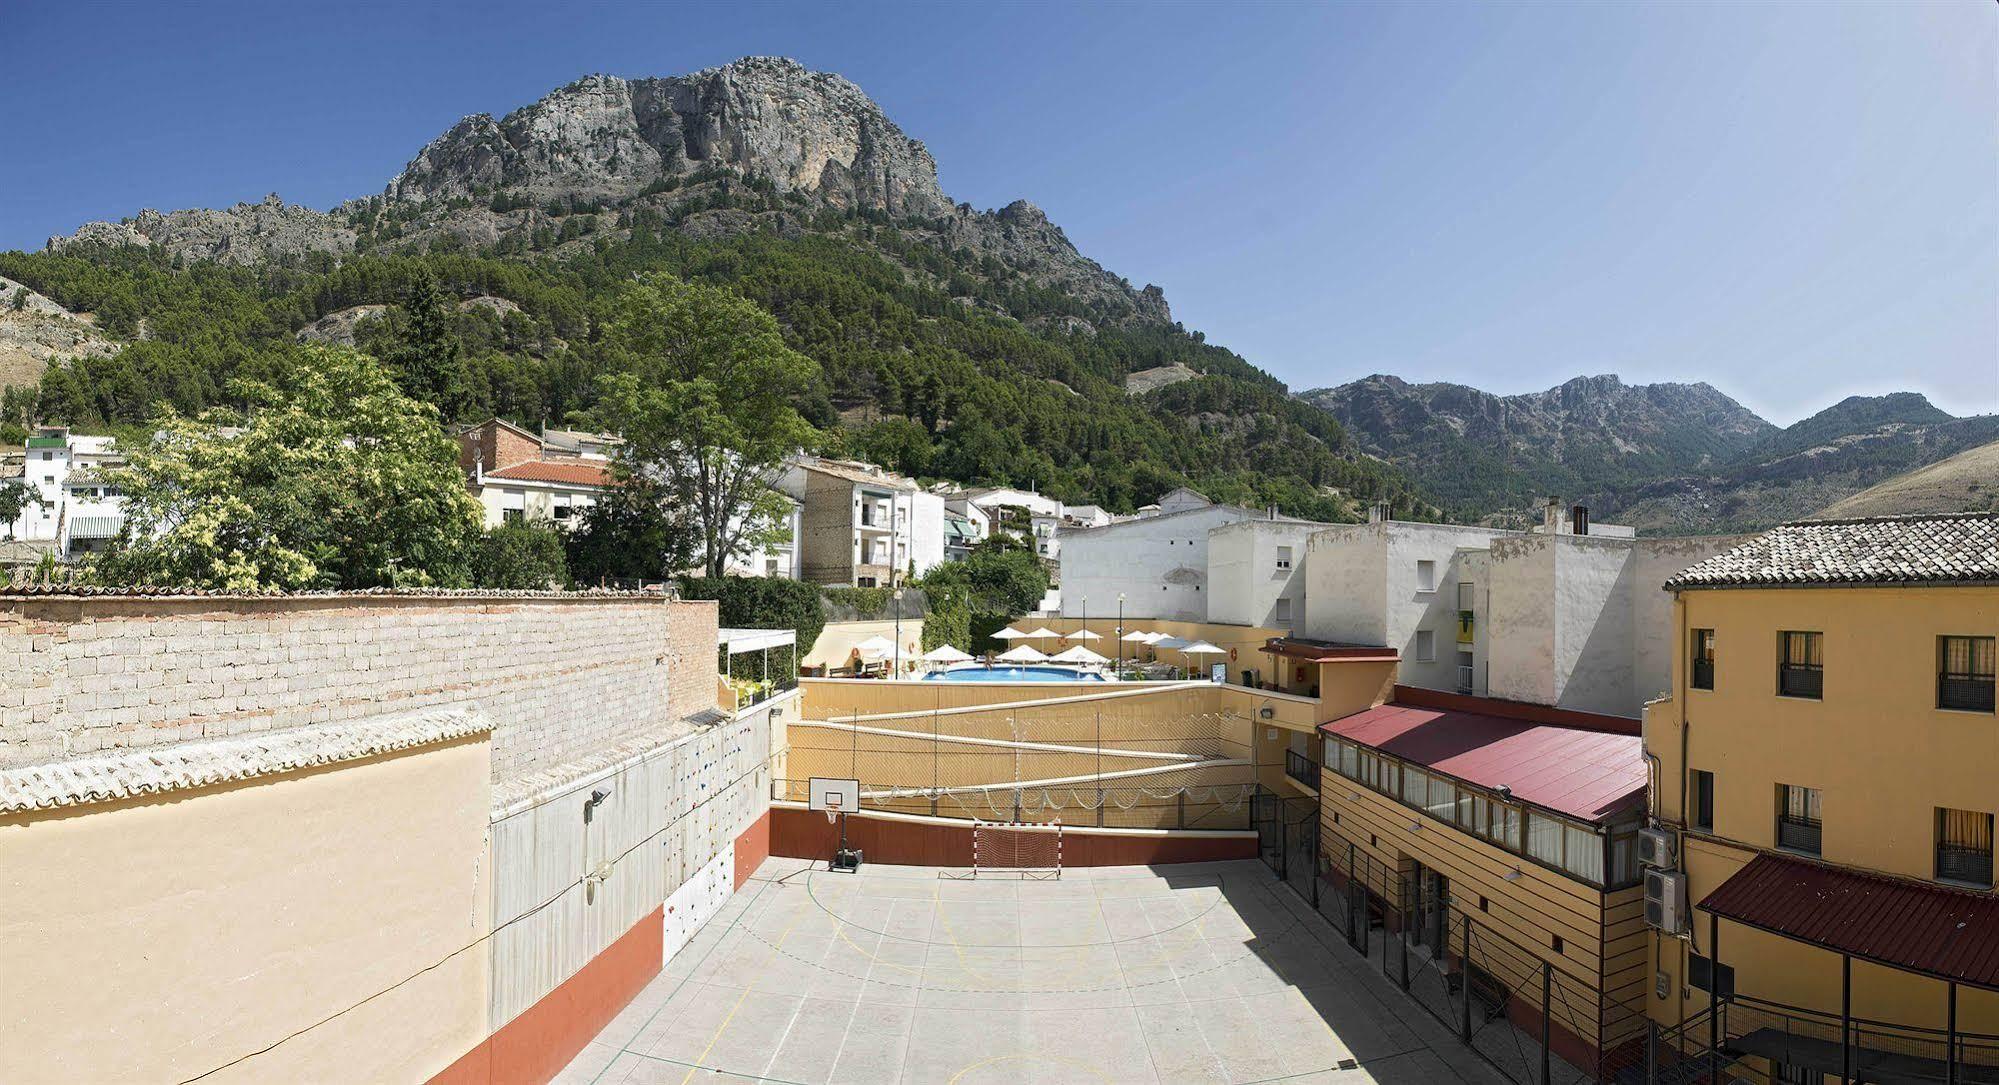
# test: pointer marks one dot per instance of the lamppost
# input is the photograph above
(898, 632)
(1120, 634)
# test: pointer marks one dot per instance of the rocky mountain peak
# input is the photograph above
(607, 137)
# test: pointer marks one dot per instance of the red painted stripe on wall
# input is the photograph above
(805, 834)
(534, 1047)
(752, 848)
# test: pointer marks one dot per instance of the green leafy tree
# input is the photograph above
(706, 403)
(17, 498)
(335, 479)
(520, 556)
(999, 578)
(631, 533)
(426, 358)
(762, 602)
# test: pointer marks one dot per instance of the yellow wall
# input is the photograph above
(1604, 941)
(836, 642)
(1884, 756)
(1246, 641)
(187, 933)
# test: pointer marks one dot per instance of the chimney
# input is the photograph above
(1551, 516)
(1273, 512)
(1379, 512)
(1579, 520)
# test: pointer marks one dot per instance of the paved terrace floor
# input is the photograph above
(1208, 973)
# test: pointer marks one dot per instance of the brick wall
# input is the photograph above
(495, 446)
(560, 677)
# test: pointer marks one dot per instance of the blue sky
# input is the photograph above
(1793, 202)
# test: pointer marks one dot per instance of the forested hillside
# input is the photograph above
(912, 374)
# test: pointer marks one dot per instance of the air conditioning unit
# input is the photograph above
(1666, 900)
(1656, 848)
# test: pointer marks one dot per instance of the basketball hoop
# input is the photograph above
(832, 809)
(833, 796)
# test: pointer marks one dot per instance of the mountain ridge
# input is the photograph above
(1667, 457)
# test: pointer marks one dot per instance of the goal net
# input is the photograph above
(1028, 849)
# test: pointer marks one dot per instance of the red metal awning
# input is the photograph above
(1944, 933)
(1582, 773)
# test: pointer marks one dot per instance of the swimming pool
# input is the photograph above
(1014, 674)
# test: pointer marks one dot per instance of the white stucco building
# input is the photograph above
(1256, 572)
(856, 526)
(1158, 562)
(79, 511)
(1545, 616)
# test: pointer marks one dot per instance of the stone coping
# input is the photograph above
(131, 774)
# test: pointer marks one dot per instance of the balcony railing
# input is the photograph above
(1801, 680)
(1800, 834)
(1965, 693)
(1301, 768)
(1465, 679)
(1959, 863)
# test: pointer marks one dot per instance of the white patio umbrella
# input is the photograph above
(944, 653)
(1083, 634)
(1045, 632)
(1139, 636)
(875, 646)
(1010, 633)
(1202, 648)
(1169, 642)
(1022, 654)
(1082, 655)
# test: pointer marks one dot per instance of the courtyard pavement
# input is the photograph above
(1200, 973)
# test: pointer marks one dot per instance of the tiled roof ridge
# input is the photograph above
(204, 762)
(1899, 518)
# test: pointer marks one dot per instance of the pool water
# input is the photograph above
(1014, 674)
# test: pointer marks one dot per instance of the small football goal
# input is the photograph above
(1018, 848)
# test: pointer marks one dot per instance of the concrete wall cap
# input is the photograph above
(155, 771)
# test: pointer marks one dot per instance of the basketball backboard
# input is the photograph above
(834, 795)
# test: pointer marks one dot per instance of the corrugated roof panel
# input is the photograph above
(1584, 774)
(1947, 933)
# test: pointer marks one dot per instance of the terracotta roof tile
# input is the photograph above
(573, 474)
(1960, 549)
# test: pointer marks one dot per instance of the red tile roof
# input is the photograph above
(574, 474)
(1585, 774)
(1947, 933)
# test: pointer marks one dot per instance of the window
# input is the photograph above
(1426, 646)
(1544, 839)
(1964, 673)
(1426, 576)
(512, 516)
(1703, 798)
(1964, 847)
(1800, 666)
(1284, 610)
(1703, 669)
(1283, 557)
(1800, 826)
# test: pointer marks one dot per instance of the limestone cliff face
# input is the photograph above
(765, 117)
(655, 143)
(243, 234)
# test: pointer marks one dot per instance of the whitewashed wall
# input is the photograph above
(1159, 564)
(564, 889)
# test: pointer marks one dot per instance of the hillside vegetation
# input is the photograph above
(959, 391)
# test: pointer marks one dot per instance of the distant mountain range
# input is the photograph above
(1666, 458)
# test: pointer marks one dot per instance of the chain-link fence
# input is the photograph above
(1166, 761)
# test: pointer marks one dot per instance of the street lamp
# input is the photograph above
(898, 632)
(1120, 634)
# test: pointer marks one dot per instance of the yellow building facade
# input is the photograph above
(1831, 722)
